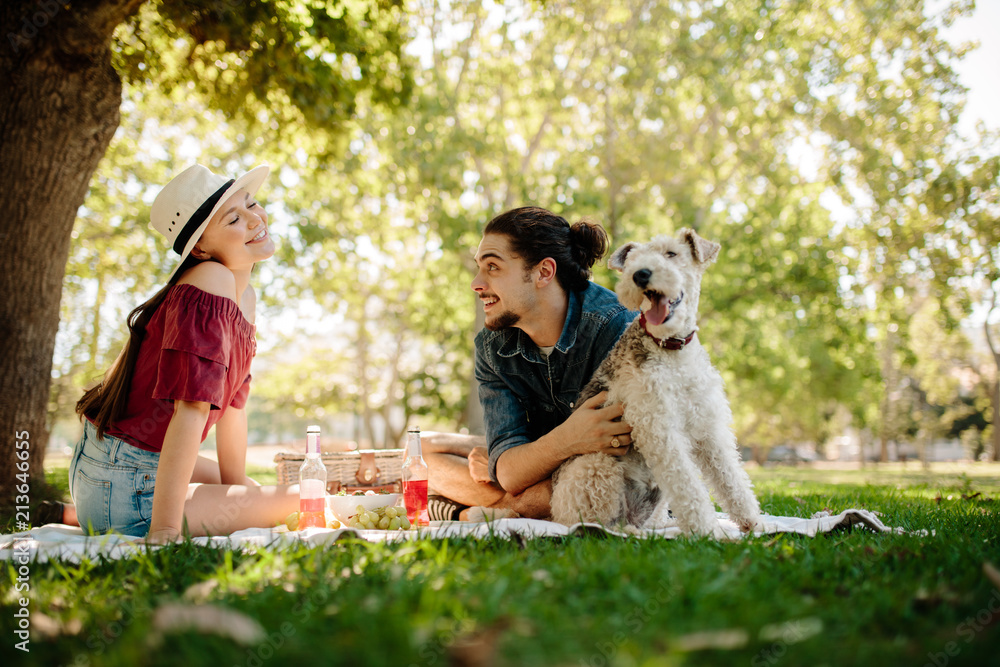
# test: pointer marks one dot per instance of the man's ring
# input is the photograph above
(615, 442)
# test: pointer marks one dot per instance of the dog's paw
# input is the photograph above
(720, 533)
(480, 514)
(712, 529)
(747, 522)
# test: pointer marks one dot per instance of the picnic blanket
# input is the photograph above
(70, 543)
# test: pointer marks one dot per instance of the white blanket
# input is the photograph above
(71, 544)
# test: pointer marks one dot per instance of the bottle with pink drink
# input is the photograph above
(312, 484)
(414, 475)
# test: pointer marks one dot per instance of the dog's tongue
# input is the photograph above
(657, 313)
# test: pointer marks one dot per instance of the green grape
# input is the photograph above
(386, 517)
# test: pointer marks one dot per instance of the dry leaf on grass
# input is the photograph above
(479, 647)
(792, 632)
(992, 573)
(201, 591)
(718, 640)
(47, 627)
(206, 619)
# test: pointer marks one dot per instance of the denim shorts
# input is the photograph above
(112, 483)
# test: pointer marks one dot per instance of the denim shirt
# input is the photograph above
(525, 394)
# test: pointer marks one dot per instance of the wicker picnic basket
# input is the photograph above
(363, 469)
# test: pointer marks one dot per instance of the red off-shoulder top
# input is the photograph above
(198, 347)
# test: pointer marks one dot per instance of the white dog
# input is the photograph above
(674, 401)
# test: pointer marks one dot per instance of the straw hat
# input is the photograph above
(186, 204)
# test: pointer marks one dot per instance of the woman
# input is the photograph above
(185, 369)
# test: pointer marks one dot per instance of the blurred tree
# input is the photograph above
(813, 142)
(398, 344)
(889, 111)
(260, 59)
(994, 391)
(618, 114)
(741, 120)
(942, 354)
(688, 116)
(964, 200)
(480, 137)
(737, 120)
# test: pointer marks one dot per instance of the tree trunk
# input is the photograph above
(364, 386)
(61, 109)
(995, 393)
(923, 441)
(995, 403)
(610, 143)
(393, 437)
(888, 405)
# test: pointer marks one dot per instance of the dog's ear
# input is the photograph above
(617, 260)
(704, 252)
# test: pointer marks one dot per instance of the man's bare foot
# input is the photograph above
(69, 515)
(480, 514)
(53, 511)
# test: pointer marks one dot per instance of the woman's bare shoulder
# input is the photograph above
(211, 277)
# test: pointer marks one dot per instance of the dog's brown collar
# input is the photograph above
(666, 343)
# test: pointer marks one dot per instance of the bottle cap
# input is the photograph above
(312, 440)
(415, 429)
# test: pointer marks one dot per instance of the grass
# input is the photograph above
(853, 598)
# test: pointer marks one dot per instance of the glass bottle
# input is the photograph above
(414, 475)
(312, 484)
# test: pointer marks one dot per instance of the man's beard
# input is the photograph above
(504, 320)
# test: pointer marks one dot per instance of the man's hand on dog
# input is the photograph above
(597, 427)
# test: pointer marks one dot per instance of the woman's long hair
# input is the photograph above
(106, 403)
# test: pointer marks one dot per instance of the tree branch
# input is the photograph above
(85, 37)
(480, 166)
(536, 141)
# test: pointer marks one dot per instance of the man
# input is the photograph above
(547, 330)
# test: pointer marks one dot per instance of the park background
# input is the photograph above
(825, 147)
(830, 147)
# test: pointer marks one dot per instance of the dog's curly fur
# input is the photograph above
(674, 401)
